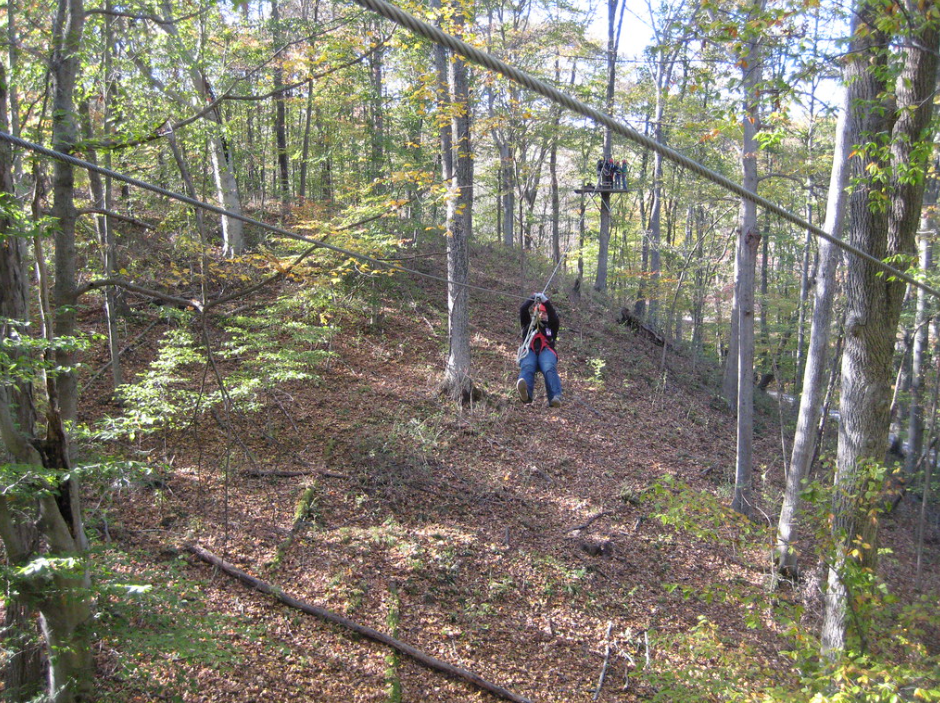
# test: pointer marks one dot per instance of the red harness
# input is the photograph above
(543, 343)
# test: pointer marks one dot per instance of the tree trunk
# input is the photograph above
(376, 75)
(745, 268)
(454, 100)
(603, 235)
(804, 298)
(23, 673)
(873, 302)
(233, 238)
(63, 604)
(101, 194)
(280, 115)
(13, 121)
(67, 32)
(508, 191)
(920, 349)
(305, 150)
(813, 375)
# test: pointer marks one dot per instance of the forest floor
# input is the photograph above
(534, 547)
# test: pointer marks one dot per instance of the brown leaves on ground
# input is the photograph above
(468, 515)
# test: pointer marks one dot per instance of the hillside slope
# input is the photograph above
(522, 543)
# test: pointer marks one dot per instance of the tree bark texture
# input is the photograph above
(280, 115)
(745, 269)
(883, 224)
(23, 672)
(454, 101)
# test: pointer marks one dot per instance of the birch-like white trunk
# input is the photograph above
(817, 355)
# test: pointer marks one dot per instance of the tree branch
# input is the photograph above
(416, 654)
(156, 19)
(116, 215)
(134, 288)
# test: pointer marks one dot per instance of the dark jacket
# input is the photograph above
(547, 331)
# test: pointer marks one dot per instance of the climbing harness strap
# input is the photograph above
(523, 350)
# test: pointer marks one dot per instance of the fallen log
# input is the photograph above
(286, 473)
(633, 322)
(422, 658)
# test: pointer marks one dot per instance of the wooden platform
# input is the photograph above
(601, 189)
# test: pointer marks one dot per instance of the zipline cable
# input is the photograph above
(68, 158)
(490, 62)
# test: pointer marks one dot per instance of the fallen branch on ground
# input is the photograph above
(589, 522)
(416, 654)
(285, 473)
(600, 681)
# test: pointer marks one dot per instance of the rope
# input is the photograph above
(523, 349)
(58, 155)
(491, 63)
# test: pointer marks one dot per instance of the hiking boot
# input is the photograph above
(523, 391)
(555, 402)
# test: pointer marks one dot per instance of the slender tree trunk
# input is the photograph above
(305, 150)
(454, 100)
(816, 360)
(13, 44)
(106, 243)
(376, 74)
(603, 236)
(280, 115)
(508, 190)
(745, 267)
(553, 174)
(920, 349)
(326, 149)
(804, 298)
(220, 154)
(188, 185)
(764, 266)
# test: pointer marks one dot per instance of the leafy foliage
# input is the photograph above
(282, 344)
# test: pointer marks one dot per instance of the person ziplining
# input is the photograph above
(539, 322)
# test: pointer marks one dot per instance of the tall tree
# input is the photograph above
(223, 167)
(23, 671)
(883, 224)
(745, 263)
(58, 584)
(670, 37)
(804, 440)
(457, 160)
(280, 112)
(922, 317)
(603, 236)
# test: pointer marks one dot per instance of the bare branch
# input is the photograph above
(134, 288)
(116, 215)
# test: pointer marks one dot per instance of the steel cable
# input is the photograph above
(490, 62)
(68, 158)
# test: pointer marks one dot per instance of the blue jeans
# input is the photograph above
(545, 361)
